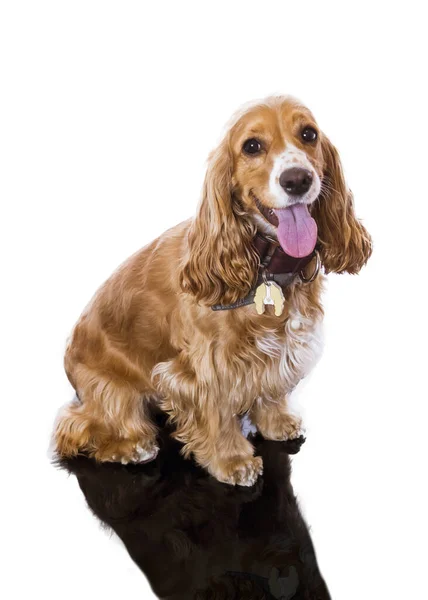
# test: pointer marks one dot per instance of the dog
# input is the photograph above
(194, 537)
(176, 325)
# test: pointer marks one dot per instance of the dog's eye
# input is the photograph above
(252, 146)
(309, 134)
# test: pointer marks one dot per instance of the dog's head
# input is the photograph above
(277, 172)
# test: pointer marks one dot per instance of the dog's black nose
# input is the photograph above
(296, 181)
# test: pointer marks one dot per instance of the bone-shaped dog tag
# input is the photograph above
(269, 293)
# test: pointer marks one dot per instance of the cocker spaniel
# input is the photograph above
(178, 325)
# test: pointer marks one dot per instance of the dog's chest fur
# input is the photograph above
(289, 351)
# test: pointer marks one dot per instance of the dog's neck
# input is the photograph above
(275, 265)
(274, 260)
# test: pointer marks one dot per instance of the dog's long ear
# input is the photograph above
(345, 243)
(220, 264)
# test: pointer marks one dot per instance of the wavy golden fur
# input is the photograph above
(221, 263)
(345, 244)
(150, 336)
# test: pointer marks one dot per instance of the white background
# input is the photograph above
(108, 111)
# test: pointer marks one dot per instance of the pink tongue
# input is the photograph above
(297, 231)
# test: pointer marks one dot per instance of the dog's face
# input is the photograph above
(278, 160)
(277, 172)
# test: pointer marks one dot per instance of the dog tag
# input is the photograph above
(269, 292)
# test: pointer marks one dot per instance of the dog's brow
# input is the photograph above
(257, 125)
(256, 130)
(302, 117)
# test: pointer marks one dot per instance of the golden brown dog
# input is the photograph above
(150, 333)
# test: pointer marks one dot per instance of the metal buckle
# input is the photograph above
(316, 270)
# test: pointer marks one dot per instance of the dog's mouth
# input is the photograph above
(268, 213)
(296, 230)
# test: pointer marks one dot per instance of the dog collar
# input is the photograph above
(275, 265)
(274, 260)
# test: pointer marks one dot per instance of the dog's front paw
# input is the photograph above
(238, 470)
(283, 428)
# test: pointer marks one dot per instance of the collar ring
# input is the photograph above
(315, 272)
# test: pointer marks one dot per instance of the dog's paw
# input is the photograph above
(139, 455)
(239, 470)
(127, 452)
(295, 429)
(284, 428)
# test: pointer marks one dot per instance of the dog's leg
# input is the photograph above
(217, 443)
(274, 420)
(110, 423)
(206, 425)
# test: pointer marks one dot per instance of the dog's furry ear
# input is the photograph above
(345, 244)
(220, 264)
